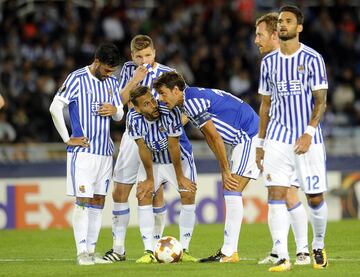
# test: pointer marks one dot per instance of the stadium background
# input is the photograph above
(209, 42)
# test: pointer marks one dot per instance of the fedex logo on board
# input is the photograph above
(20, 206)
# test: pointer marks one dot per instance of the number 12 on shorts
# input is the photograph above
(312, 182)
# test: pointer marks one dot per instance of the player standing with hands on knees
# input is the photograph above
(142, 70)
(223, 119)
(166, 156)
(267, 40)
(92, 95)
(294, 79)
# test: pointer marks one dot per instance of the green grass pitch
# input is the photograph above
(52, 253)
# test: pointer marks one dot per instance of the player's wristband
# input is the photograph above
(310, 130)
(260, 143)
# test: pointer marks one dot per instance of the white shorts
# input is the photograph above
(243, 159)
(127, 162)
(294, 181)
(87, 174)
(165, 173)
(281, 164)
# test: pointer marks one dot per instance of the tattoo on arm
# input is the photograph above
(319, 108)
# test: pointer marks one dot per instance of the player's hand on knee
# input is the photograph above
(259, 158)
(186, 184)
(229, 182)
(78, 141)
(145, 189)
(302, 144)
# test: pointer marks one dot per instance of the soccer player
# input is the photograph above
(294, 83)
(142, 70)
(166, 156)
(267, 40)
(92, 95)
(223, 118)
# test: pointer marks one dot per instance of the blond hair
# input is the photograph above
(270, 19)
(141, 42)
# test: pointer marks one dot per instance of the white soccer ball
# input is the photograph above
(168, 250)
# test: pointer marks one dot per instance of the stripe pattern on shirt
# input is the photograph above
(234, 119)
(129, 68)
(291, 80)
(156, 133)
(84, 94)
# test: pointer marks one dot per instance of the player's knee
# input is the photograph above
(82, 201)
(121, 192)
(145, 200)
(98, 200)
(292, 198)
(158, 200)
(277, 193)
(187, 198)
(242, 182)
(315, 200)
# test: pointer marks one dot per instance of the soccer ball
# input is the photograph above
(168, 250)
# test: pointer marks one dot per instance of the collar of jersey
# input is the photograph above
(90, 74)
(184, 96)
(154, 69)
(292, 55)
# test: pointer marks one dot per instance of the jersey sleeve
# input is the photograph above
(124, 77)
(117, 96)
(264, 81)
(134, 125)
(69, 90)
(175, 128)
(197, 109)
(318, 77)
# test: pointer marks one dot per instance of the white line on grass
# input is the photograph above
(67, 260)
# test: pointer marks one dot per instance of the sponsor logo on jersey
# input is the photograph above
(301, 69)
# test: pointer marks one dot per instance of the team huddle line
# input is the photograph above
(284, 143)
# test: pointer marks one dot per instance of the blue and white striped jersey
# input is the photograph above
(234, 119)
(129, 68)
(84, 94)
(290, 80)
(156, 133)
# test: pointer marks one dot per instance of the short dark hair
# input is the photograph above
(296, 11)
(270, 19)
(136, 93)
(170, 80)
(108, 53)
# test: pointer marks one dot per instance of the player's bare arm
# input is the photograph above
(319, 108)
(146, 187)
(184, 119)
(216, 144)
(174, 151)
(303, 143)
(264, 121)
(139, 75)
(78, 141)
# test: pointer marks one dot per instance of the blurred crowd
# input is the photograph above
(210, 42)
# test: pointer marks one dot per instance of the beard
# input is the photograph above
(286, 37)
(151, 116)
(98, 74)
